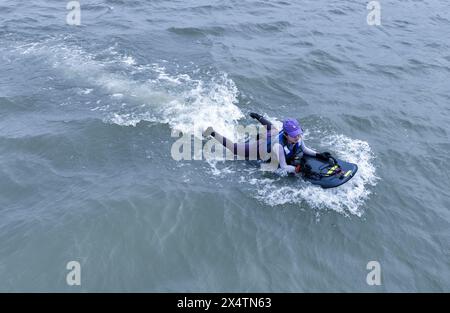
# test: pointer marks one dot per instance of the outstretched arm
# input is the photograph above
(324, 156)
(307, 150)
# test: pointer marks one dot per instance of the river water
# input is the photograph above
(88, 112)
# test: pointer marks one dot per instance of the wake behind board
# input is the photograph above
(327, 174)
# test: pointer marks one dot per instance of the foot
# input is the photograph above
(208, 132)
(255, 116)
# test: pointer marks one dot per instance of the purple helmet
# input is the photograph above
(292, 127)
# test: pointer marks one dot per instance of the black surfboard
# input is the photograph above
(328, 174)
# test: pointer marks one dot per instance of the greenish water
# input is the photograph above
(86, 115)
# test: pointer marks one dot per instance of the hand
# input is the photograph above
(255, 116)
(324, 156)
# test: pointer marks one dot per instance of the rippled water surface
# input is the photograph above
(86, 120)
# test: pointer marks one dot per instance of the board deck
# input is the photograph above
(346, 172)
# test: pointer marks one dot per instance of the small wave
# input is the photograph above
(261, 28)
(337, 12)
(194, 31)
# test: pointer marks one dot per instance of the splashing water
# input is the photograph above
(187, 104)
(191, 105)
(348, 198)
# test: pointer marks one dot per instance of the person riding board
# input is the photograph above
(286, 146)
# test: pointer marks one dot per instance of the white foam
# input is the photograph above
(186, 104)
(129, 60)
(127, 119)
(347, 199)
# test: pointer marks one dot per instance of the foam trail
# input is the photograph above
(185, 103)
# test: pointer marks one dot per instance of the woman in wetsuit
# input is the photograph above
(286, 147)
